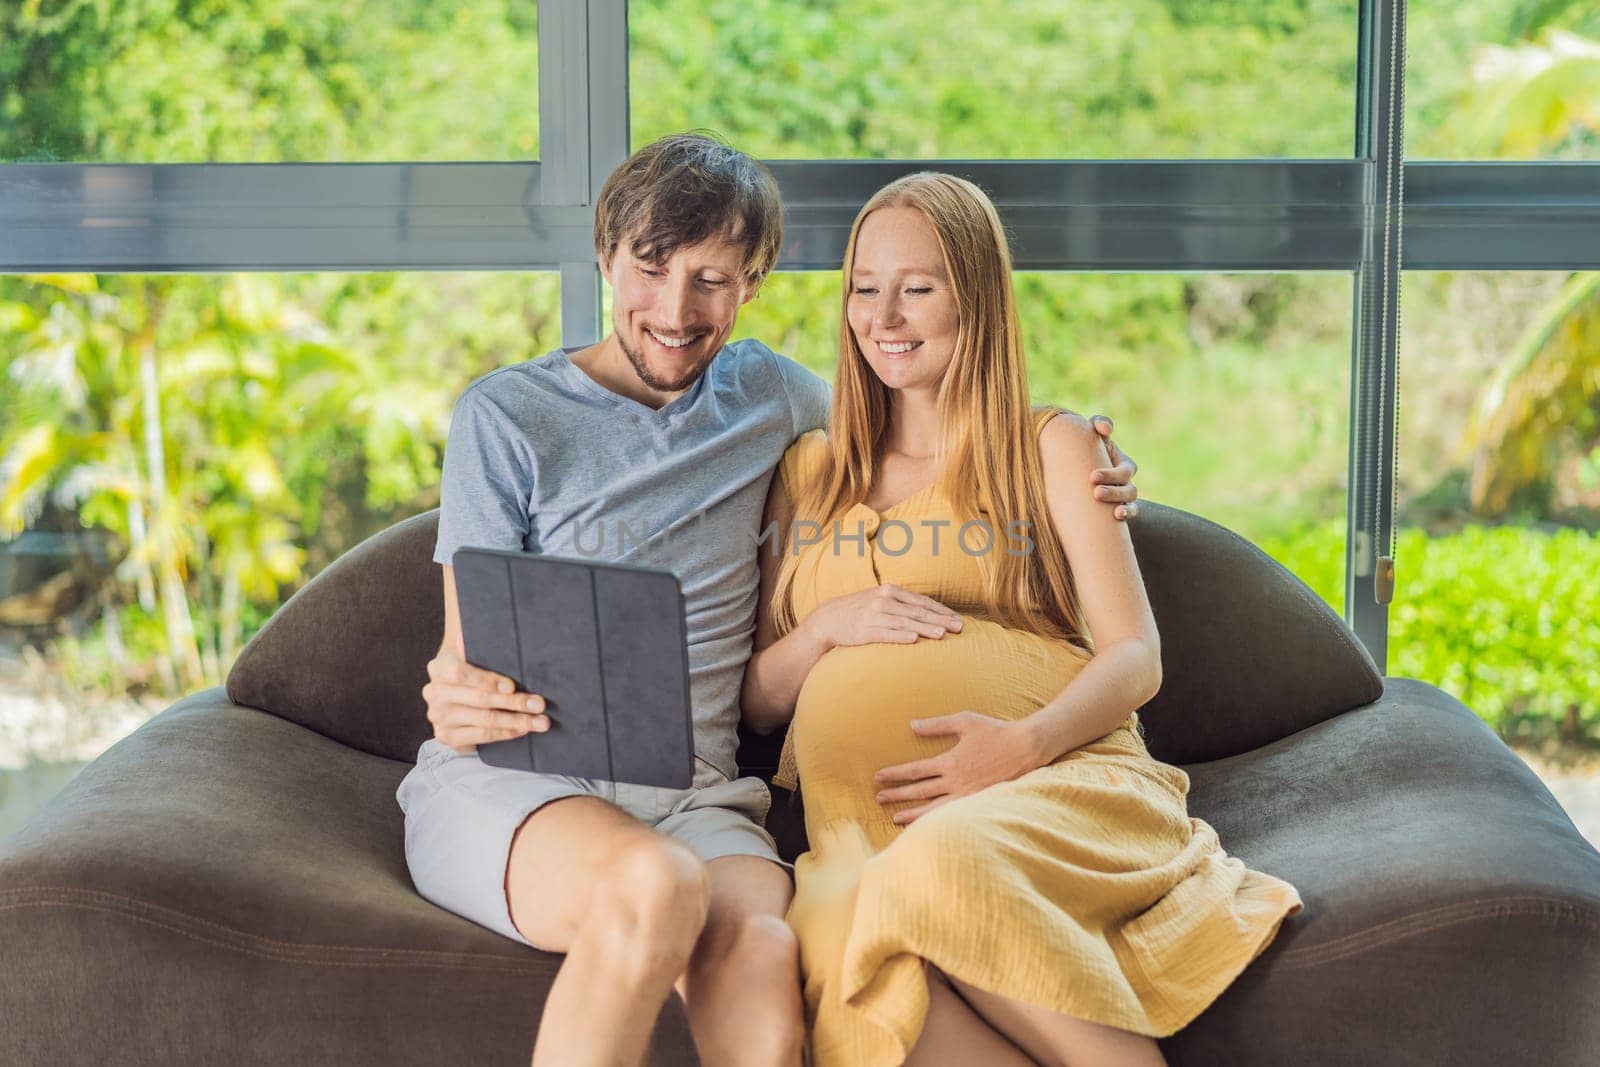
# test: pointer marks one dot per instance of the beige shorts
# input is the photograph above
(462, 813)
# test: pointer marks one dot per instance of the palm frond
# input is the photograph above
(1543, 401)
(25, 473)
(1530, 97)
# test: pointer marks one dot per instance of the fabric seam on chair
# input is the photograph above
(1449, 915)
(1314, 775)
(255, 944)
(1320, 610)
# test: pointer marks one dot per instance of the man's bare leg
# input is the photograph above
(625, 903)
(742, 985)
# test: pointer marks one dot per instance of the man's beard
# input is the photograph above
(655, 381)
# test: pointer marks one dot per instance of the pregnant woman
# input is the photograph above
(999, 871)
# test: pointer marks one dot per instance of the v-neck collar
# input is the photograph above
(581, 379)
(902, 501)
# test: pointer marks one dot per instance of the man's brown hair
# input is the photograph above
(681, 189)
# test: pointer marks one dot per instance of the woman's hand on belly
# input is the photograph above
(882, 614)
(987, 751)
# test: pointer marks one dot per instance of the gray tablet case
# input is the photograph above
(606, 645)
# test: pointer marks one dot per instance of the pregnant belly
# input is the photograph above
(854, 710)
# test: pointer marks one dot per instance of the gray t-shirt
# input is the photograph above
(542, 458)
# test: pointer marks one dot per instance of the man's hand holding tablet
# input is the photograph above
(469, 706)
(607, 646)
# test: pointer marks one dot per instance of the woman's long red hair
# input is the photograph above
(988, 447)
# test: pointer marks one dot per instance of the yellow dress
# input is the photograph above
(1083, 887)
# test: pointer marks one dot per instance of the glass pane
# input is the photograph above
(1231, 391)
(1013, 80)
(1503, 79)
(1495, 600)
(290, 417)
(269, 81)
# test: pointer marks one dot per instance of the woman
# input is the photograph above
(999, 870)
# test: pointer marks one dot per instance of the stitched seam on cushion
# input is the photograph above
(1450, 915)
(254, 944)
(1319, 610)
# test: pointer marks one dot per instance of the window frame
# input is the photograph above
(1371, 216)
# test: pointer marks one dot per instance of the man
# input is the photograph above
(655, 448)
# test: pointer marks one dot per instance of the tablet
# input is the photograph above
(605, 644)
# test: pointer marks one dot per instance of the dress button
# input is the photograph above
(862, 514)
(856, 529)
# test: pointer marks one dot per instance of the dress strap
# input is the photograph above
(1043, 413)
(803, 460)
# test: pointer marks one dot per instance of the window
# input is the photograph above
(289, 417)
(1499, 495)
(1229, 390)
(269, 81)
(1032, 79)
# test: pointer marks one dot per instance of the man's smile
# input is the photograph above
(671, 342)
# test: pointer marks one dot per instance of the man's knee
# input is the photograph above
(582, 860)
(755, 944)
(653, 898)
(757, 957)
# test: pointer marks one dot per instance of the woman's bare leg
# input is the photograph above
(1057, 1040)
(954, 1036)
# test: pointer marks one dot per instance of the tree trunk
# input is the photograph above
(180, 626)
(210, 659)
(228, 623)
(173, 595)
(136, 532)
(116, 651)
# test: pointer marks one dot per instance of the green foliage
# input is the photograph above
(1267, 17)
(259, 81)
(1033, 79)
(1542, 408)
(1258, 444)
(1489, 80)
(1503, 618)
(1531, 16)
(233, 439)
